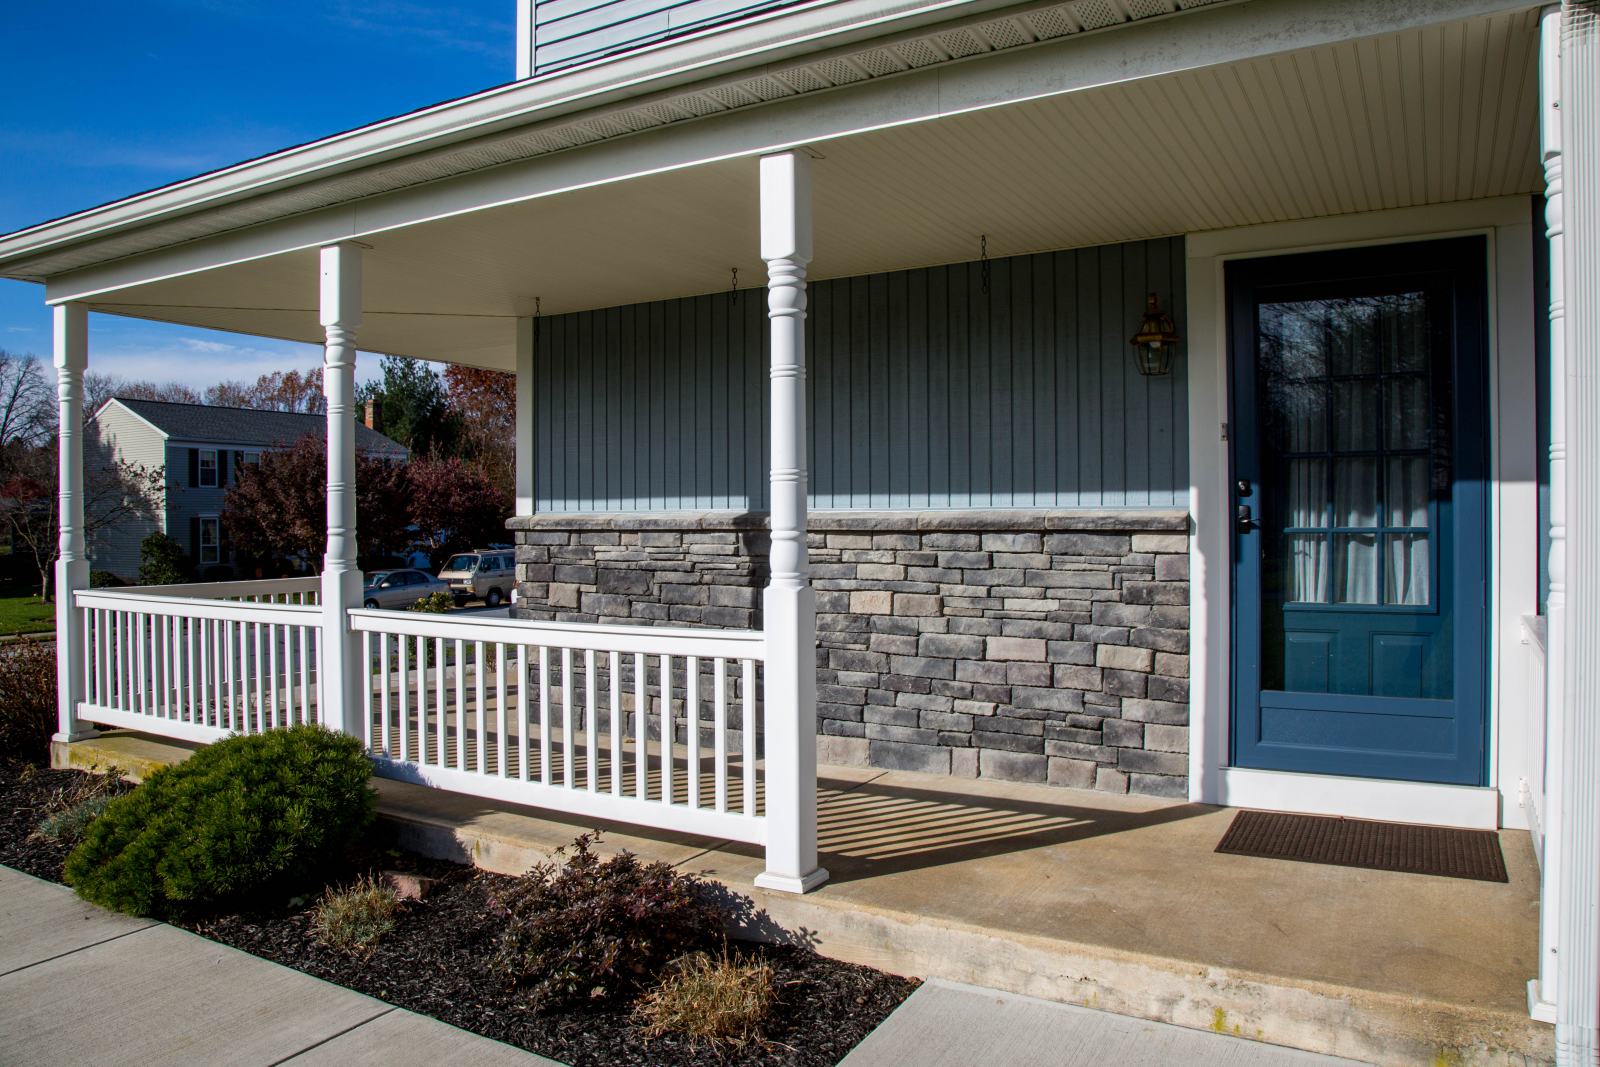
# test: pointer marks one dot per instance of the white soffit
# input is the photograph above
(1425, 116)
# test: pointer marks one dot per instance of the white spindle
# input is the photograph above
(566, 715)
(615, 675)
(719, 730)
(522, 712)
(591, 731)
(747, 720)
(500, 707)
(666, 730)
(691, 707)
(461, 703)
(546, 774)
(641, 728)
(477, 697)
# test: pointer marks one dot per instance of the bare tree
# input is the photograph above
(98, 388)
(27, 402)
(112, 494)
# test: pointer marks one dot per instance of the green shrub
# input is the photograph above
(244, 820)
(434, 604)
(27, 700)
(161, 560)
(104, 580)
(589, 929)
(355, 918)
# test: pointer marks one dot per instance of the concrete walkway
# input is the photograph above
(81, 985)
(945, 1024)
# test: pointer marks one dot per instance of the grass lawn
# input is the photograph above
(24, 613)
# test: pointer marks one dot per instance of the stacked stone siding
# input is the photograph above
(1026, 646)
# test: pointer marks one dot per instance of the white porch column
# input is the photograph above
(72, 564)
(1542, 1000)
(343, 672)
(1578, 895)
(790, 604)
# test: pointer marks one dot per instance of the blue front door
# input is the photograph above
(1359, 470)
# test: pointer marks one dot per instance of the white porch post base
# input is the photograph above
(343, 671)
(72, 565)
(790, 605)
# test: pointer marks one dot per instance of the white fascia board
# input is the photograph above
(1201, 38)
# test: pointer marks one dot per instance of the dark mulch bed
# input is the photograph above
(435, 963)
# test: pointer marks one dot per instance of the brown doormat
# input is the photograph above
(1378, 846)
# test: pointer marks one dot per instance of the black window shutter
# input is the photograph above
(194, 466)
(222, 467)
(194, 532)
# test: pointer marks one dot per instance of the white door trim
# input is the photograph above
(1507, 223)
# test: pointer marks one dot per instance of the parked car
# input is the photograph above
(399, 588)
(487, 574)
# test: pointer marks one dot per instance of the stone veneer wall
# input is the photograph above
(1020, 645)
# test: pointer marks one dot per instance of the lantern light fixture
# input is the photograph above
(1153, 345)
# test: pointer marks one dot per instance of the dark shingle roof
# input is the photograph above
(247, 426)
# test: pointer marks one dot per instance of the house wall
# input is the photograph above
(118, 435)
(188, 501)
(927, 389)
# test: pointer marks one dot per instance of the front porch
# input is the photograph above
(1115, 902)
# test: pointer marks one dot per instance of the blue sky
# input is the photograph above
(109, 99)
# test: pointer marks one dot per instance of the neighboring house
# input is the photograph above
(200, 450)
(1172, 397)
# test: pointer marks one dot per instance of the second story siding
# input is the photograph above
(566, 32)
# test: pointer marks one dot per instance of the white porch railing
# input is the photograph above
(645, 725)
(200, 662)
(650, 726)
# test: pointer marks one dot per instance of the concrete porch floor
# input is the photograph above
(1116, 903)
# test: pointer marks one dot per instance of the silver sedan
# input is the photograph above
(399, 588)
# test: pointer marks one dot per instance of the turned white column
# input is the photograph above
(1578, 898)
(790, 604)
(72, 562)
(343, 672)
(1543, 998)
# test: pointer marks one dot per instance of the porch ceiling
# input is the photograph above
(1431, 115)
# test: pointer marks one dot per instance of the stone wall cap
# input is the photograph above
(1119, 520)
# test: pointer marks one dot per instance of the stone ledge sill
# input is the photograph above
(1126, 520)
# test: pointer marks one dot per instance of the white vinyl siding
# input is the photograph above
(117, 434)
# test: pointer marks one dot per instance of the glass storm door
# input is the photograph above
(1360, 457)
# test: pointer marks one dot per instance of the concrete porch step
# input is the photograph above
(1108, 902)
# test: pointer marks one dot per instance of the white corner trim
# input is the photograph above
(1469, 807)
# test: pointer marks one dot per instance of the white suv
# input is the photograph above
(487, 574)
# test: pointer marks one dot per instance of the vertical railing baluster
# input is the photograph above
(667, 730)
(478, 701)
(546, 772)
(261, 691)
(500, 707)
(441, 707)
(566, 716)
(615, 677)
(747, 720)
(404, 699)
(719, 729)
(385, 708)
(366, 689)
(522, 712)
(142, 706)
(641, 728)
(461, 705)
(305, 673)
(691, 699)
(591, 731)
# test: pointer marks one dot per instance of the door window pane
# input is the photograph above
(1355, 492)
(1355, 415)
(1406, 490)
(1308, 492)
(1405, 412)
(1298, 416)
(1351, 340)
(1307, 578)
(1355, 568)
(1407, 569)
(1404, 328)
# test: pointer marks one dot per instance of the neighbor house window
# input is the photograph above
(211, 537)
(208, 469)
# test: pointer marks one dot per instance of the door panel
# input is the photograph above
(1359, 458)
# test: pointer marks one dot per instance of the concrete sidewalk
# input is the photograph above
(81, 985)
(945, 1024)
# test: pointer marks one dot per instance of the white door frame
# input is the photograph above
(1513, 582)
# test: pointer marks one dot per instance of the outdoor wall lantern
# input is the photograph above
(1155, 341)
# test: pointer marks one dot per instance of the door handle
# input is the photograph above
(1244, 519)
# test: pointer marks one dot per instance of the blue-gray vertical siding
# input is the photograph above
(571, 31)
(925, 391)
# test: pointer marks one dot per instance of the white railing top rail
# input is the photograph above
(145, 603)
(652, 640)
(228, 590)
